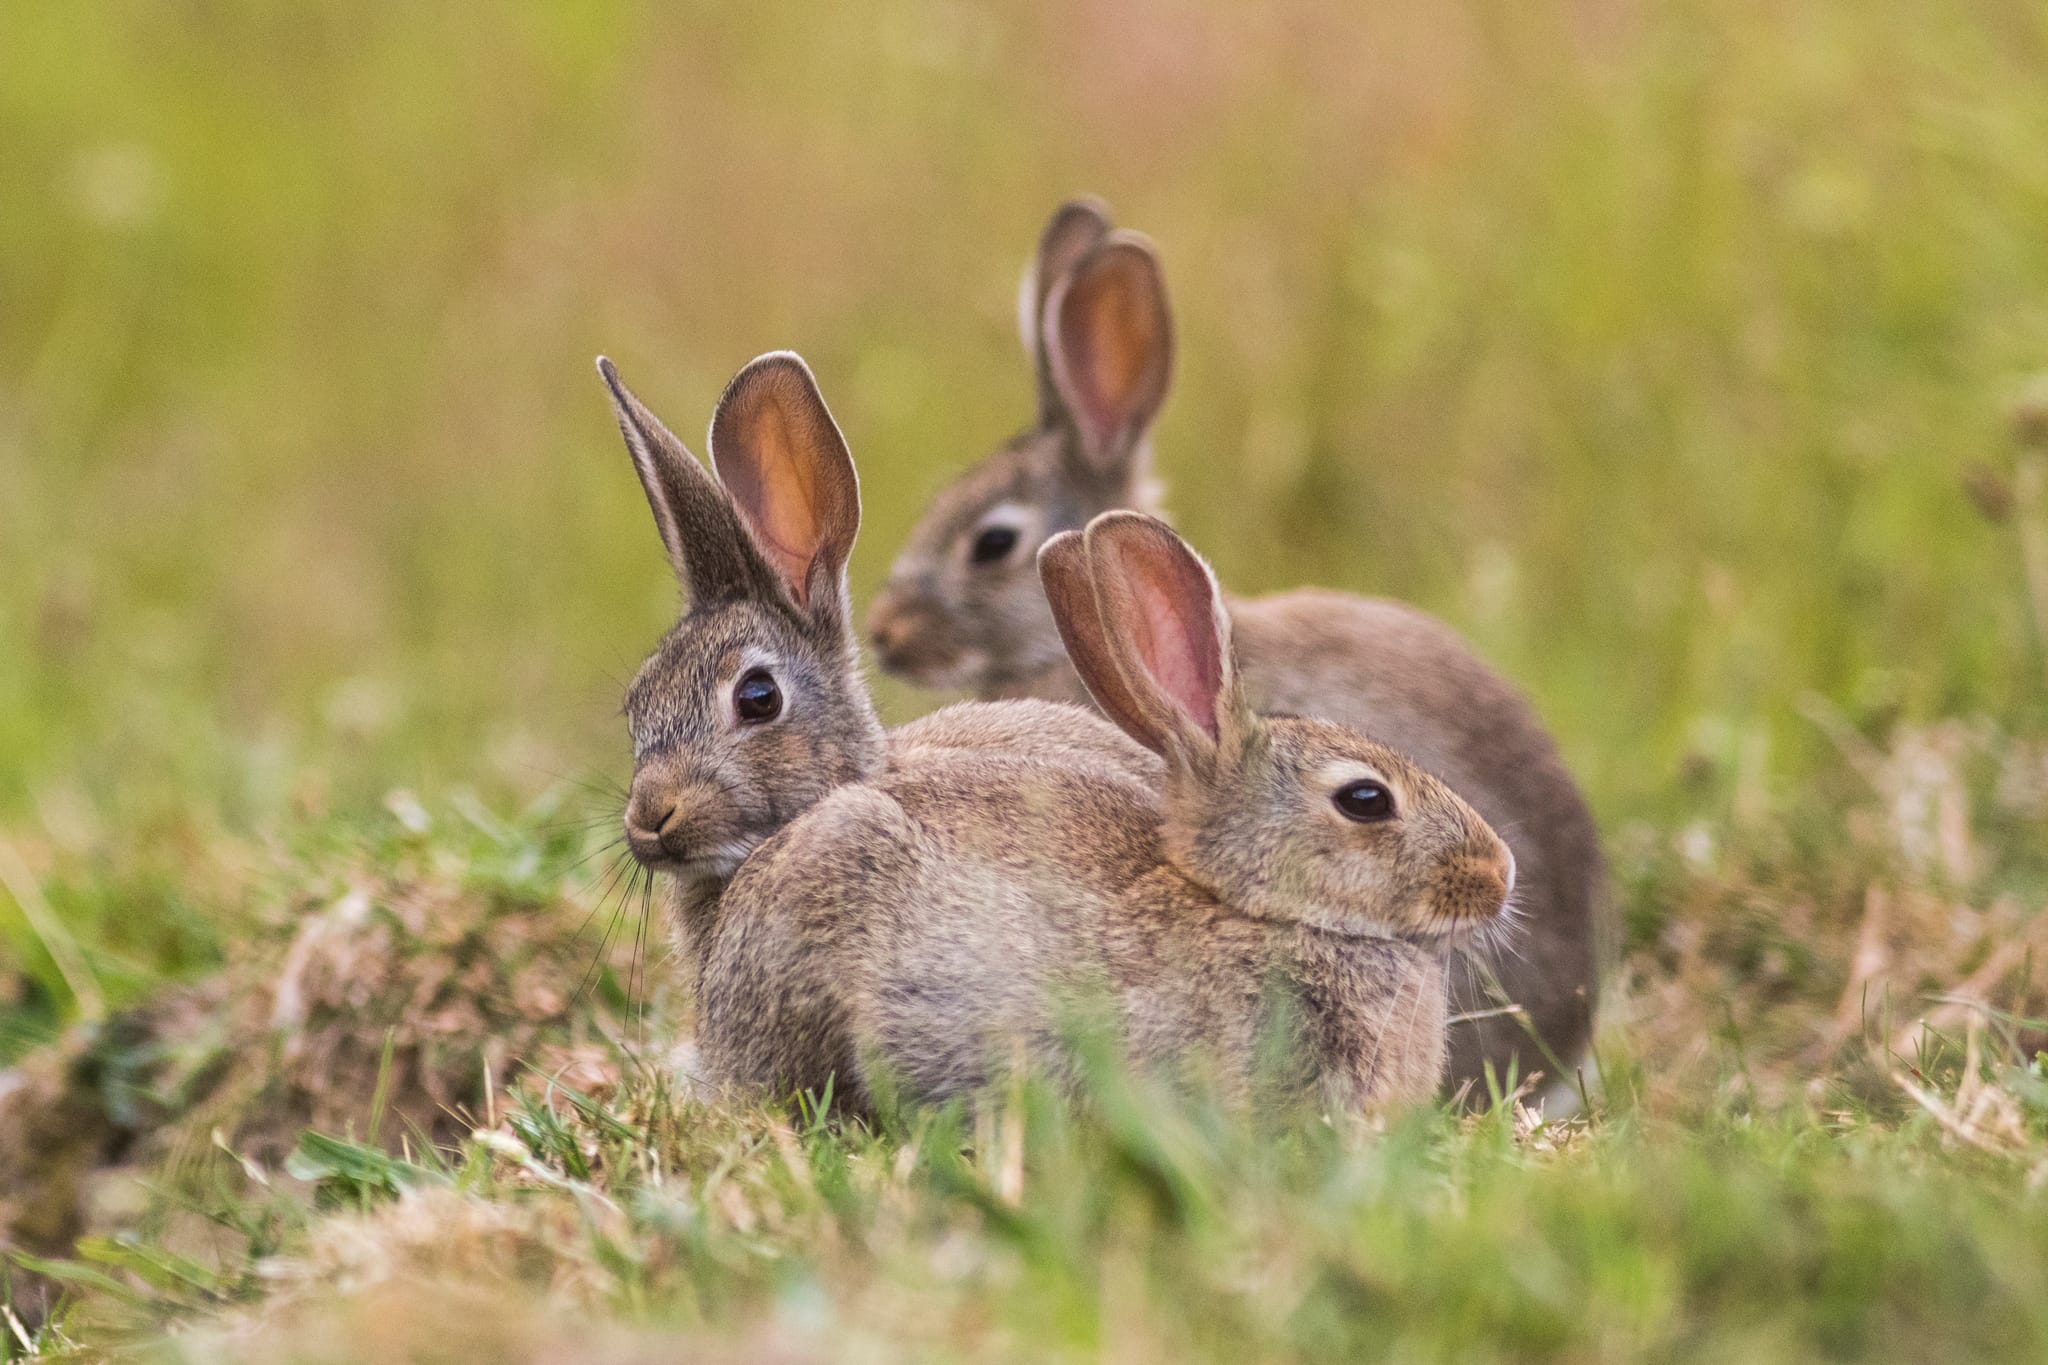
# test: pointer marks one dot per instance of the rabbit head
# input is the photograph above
(1283, 819)
(962, 607)
(752, 707)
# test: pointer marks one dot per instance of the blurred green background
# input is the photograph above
(1653, 345)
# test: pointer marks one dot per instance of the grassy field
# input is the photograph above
(1692, 358)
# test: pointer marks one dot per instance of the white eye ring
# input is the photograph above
(1000, 532)
(1331, 778)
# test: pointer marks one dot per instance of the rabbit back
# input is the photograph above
(1070, 734)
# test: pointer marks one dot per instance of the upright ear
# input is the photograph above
(705, 542)
(1077, 228)
(1166, 628)
(1109, 349)
(780, 455)
(1068, 575)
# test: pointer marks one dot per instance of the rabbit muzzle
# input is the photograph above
(1476, 886)
(913, 642)
(683, 823)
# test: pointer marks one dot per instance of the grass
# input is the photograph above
(638, 1222)
(1686, 357)
(1819, 1131)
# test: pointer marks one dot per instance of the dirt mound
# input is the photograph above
(394, 1013)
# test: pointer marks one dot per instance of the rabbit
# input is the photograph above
(928, 926)
(961, 611)
(752, 708)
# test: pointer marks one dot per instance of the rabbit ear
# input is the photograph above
(1068, 575)
(1109, 346)
(1077, 227)
(706, 543)
(779, 453)
(1169, 634)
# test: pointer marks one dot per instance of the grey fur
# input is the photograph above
(928, 900)
(1376, 665)
(934, 923)
(706, 789)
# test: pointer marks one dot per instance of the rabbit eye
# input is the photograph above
(756, 698)
(994, 543)
(1365, 802)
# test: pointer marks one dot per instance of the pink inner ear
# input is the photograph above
(776, 494)
(1102, 385)
(788, 536)
(1111, 340)
(1178, 646)
(794, 568)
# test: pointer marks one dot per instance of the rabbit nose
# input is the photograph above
(893, 630)
(885, 621)
(653, 823)
(1479, 881)
(1494, 866)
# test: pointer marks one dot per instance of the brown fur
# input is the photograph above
(708, 789)
(1378, 666)
(928, 900)
(929, 924)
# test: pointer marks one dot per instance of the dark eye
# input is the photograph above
(994, 543)
(756, 698)
(1365, 802)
